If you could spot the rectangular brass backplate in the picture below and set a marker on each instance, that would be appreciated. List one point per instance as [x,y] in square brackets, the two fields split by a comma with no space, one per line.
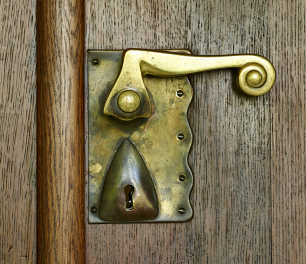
[138,170]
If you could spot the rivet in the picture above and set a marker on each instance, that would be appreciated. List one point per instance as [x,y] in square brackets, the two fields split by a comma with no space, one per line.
[94,210]
[179,93]
[128,101]
[182,210]
[95,61]
[182,178]
[180,136]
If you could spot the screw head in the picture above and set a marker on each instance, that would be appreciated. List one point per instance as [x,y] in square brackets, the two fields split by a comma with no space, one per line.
[182,178]
[180,136]
[94,210]
[179,93]
[182,210]
[95,61]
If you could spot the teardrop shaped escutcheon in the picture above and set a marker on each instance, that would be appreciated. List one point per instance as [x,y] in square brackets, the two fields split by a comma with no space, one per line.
[128,192]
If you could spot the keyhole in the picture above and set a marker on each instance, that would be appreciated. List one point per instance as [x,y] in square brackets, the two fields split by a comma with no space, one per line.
[129,190]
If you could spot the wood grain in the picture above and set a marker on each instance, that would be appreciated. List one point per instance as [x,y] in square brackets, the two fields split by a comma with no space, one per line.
[248,155]
[231,151]
[17,132]
[60,131]
[288,140]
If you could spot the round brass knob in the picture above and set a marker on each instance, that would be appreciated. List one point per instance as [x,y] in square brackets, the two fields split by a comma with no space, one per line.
[254,78]
[128,101]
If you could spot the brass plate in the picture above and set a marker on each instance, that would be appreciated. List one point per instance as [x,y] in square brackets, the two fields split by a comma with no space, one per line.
[156,138]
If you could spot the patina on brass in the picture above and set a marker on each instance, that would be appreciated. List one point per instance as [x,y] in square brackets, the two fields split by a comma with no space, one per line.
[256,75]
[163,198]
[128,192]
[139,136]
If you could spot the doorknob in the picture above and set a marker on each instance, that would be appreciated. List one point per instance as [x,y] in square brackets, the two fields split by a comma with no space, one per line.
[129,99]
[139,136]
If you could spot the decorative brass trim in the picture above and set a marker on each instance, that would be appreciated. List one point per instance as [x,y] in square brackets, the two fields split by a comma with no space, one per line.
[163,141]
[128,192]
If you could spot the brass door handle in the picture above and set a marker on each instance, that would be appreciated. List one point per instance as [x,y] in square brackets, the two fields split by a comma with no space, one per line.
[129,99]
[138,169]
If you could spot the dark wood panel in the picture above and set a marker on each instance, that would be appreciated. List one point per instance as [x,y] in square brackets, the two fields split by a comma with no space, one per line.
[60,132]
[231,151]
[288,141]
[17,132]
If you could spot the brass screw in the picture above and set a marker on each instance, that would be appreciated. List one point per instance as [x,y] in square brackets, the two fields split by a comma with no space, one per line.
[182,178]
[180,136]
[95,61]
[182,210]
[179,93]
[94,210]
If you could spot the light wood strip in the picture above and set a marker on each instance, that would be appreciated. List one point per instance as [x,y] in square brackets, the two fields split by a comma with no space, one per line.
[17,132]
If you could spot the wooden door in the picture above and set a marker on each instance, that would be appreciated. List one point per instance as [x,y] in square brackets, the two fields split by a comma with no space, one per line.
[248,154]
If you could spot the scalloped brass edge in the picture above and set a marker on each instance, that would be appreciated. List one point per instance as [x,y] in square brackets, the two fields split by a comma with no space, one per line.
[182,210]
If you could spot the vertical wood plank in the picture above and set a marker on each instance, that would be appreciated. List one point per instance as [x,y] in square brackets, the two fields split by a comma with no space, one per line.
[231,152]
[288,144]
[17,132]
[60,131]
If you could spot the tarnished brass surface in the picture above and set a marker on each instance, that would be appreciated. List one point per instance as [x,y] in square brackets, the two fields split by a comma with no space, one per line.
[128,169]
[163,141]
[256,75]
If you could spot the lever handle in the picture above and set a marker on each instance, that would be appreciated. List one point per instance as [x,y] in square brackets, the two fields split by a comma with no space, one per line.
[129,99]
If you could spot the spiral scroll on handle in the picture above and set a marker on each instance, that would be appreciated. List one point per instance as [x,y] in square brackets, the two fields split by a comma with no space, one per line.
[254,80]
[256,75]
